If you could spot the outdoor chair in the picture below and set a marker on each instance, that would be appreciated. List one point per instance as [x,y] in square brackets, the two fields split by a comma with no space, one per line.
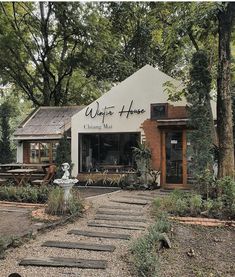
[49,177]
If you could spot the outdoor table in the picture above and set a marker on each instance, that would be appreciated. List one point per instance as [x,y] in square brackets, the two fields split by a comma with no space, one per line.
[24,165]
[21,175]
[43,166]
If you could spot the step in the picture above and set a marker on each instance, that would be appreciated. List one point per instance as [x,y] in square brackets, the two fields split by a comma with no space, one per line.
[141,203]
[64,262]
[79,245]
[104,212]
[115,226]
[99,234]
[114,207]
[119,218]
[137,197]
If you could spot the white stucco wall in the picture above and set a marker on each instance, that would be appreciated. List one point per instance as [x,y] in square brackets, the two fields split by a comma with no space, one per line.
[143,87]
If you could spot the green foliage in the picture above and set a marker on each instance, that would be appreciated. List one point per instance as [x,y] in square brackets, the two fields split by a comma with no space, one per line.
[218,200]
[195,203]
[56,205]
[5,144]
[26,194]
[142,152]
[75,204]
[144,249]
[200,115]
[142,156]
[63,154]
[205,184]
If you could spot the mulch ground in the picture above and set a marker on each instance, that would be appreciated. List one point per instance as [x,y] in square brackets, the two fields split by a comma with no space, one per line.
[199,251]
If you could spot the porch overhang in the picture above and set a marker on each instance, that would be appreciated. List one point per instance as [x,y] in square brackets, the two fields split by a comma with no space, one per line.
[161,123]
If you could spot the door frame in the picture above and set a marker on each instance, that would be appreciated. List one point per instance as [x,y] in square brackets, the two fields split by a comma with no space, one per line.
[163,158]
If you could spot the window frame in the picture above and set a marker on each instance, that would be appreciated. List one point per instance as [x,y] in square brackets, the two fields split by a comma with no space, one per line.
[158,105]
[50,150]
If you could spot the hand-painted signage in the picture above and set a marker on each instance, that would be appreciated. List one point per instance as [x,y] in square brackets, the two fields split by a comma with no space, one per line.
[97,112]
[108,111]
[130,110]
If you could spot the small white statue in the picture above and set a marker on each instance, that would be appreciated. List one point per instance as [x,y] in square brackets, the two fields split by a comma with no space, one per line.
[65,167]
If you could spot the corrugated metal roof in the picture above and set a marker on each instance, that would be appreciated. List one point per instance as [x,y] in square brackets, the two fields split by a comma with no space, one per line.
[47,121]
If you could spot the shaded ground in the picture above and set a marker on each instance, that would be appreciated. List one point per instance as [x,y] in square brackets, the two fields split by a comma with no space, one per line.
[93,191]
[214,250]
[17,222]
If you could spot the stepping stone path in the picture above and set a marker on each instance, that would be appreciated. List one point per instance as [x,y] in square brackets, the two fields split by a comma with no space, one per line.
[65,262]
[76,245]
[116,226]
[99,212]
[141,203]
[128,208]
[99,234]
[138,197]
[112,218]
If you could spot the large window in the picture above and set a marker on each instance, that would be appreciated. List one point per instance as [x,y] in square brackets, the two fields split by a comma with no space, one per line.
[42,152]
[107,151]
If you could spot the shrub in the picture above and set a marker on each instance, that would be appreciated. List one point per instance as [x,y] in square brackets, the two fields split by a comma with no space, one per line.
[75,204]
[55,202]
[195,202]
[181,206]
[56,206]
[208,204]
[27,193]
[144,249]
[206,184]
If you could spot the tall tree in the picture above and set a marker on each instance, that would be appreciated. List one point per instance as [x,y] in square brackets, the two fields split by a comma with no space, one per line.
[42,44]
[6,155]
[226,17]
[198,98]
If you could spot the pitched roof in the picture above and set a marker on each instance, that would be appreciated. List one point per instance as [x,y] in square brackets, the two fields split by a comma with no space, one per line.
[47,122]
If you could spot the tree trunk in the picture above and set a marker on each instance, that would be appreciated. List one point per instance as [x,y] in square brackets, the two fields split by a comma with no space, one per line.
[224,100]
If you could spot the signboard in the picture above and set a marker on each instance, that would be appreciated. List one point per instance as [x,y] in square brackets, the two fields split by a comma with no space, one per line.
[126,111]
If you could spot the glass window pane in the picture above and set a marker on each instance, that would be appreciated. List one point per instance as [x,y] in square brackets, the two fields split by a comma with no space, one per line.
[54,147]
[45,152]
[107,151]
[174,170]
[34,153]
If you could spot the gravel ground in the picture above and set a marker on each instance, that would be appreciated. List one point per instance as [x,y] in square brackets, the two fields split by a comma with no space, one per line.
[117,261]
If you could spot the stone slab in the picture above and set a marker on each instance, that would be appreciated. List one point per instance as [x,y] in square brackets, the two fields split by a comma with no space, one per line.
[137,197]
[64,262]
[79,245]
[99,234]
[114,207]
[119,218]
[115,226]
[141,203]
[105,212]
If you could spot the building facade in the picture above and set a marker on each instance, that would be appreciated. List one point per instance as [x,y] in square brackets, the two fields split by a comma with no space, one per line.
[136,110]
[104,133]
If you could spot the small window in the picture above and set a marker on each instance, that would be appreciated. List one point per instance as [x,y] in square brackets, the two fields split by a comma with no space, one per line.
[158,111]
